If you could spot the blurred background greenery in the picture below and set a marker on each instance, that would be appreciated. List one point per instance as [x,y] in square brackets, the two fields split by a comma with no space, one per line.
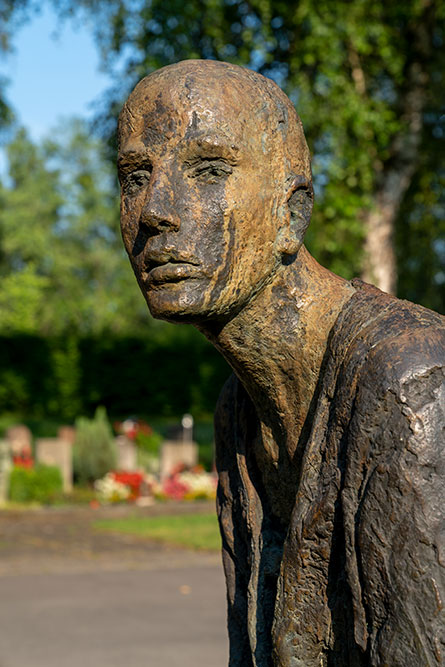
[368,80]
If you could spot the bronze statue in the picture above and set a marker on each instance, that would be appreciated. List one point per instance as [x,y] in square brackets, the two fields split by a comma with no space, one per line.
[331,430]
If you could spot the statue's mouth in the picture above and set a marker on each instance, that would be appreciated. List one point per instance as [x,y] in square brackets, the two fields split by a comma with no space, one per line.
[172,272]
[169,267]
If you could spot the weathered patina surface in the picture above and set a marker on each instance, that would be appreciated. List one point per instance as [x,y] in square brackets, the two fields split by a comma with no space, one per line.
[330,433]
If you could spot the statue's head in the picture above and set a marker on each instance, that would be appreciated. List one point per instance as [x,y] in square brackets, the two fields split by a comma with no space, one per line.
[216,187]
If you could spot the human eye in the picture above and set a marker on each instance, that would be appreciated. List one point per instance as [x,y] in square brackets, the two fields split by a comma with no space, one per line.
[135,180]
[210,170]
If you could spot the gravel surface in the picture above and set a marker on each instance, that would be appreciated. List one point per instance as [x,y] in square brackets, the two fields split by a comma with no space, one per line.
[72,596]
[56,539]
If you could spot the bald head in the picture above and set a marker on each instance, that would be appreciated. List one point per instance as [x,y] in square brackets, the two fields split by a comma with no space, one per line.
[257,103]
[216,187]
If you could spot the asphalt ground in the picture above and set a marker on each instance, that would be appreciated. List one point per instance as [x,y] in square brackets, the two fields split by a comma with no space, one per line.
[72,597]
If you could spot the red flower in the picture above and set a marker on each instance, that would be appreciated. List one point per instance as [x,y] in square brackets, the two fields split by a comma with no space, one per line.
[23,460]
[174,488]
[133,480]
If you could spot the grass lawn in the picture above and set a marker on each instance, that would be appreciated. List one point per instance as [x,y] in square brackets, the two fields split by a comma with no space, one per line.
[194,531]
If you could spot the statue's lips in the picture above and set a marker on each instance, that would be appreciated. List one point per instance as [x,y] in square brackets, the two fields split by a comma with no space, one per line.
[171,272]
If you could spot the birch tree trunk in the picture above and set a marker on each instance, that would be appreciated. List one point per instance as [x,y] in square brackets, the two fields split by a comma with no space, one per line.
[380,266]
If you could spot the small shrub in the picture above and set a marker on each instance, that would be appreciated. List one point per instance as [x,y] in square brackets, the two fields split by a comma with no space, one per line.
[42,484]
[94,451]
[149,442]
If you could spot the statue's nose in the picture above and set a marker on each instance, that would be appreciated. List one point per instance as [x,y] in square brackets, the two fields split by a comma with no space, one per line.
[158,212]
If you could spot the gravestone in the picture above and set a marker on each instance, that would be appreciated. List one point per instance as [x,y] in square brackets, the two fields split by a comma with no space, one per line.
[67,433]
[175,453]
[19,438]
[5,467]
[57,452]
[126,454]
[179,449]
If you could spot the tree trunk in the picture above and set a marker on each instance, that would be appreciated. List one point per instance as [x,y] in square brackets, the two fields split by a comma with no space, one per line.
[380,266]
[380,261]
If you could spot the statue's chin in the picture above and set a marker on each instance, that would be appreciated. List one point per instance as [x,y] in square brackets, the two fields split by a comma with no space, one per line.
[197,301]
[177,302]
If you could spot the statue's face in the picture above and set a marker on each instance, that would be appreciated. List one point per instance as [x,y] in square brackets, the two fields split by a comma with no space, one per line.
[200,200]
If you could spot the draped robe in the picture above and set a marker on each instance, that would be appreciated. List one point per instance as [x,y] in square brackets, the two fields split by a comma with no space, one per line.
[356,575]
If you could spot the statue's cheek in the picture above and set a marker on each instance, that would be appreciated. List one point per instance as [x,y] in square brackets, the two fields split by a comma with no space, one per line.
[130,213]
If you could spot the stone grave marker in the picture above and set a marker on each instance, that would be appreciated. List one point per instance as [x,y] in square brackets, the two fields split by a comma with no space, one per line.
[126,454]
[67,433]
[175,452]
[19,438]
[57,452]
[5,467]
[180,451]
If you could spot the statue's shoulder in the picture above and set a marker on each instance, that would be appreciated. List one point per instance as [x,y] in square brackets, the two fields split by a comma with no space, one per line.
[394,377]
[401,342]
[390,373]
[394,477]
[410,352]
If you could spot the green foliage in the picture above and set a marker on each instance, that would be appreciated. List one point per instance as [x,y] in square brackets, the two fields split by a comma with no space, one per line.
[149,443]
[203,435]
[206,455]
[79,495]
[39,376]
[420,241]
[94,452]
[149,450]
[361,74]
[41,484]
[65,363]
[164,375]
[60,377]
[23,373]
[62,263]
[29,209]
[92,286]
[193,531]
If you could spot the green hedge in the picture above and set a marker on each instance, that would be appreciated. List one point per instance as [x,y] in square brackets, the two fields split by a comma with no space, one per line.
[42,484]
[166,374]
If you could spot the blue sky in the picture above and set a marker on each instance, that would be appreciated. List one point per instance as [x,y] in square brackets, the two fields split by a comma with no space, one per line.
[52,77]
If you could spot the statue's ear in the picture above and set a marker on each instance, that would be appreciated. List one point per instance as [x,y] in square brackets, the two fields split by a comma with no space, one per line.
[300,198]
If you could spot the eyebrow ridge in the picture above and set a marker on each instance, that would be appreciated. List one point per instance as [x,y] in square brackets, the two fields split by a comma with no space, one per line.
[209,143]
[128,155]
[206,143]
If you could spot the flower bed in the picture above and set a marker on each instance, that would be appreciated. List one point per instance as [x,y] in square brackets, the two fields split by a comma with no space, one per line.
[182,484]
[194,484]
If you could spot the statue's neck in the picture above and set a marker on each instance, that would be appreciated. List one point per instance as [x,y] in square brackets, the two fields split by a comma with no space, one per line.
[277,342]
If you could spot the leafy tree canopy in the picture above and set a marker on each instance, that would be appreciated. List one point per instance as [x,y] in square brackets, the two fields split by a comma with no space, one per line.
[62,263]
[368,81]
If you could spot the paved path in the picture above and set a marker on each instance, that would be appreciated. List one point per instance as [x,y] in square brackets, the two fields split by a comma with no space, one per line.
[71,597]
